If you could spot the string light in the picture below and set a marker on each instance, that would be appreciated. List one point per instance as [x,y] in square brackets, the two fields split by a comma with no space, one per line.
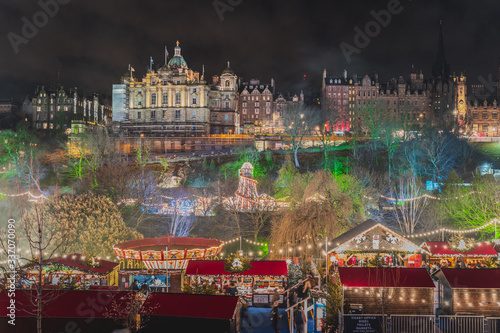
[451,231]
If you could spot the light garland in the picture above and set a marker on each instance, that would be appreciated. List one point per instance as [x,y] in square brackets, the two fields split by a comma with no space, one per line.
[41,196]
[430,233]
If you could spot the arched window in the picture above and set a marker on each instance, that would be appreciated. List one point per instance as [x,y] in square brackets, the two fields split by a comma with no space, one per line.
[153,99]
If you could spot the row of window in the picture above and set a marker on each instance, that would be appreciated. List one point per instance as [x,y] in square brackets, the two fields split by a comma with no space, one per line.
[485,127]
[484,115]
[256,111]
[334,88]
[256,98]
[152,114]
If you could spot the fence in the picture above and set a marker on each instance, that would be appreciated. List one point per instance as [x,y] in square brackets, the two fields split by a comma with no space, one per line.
[418,324]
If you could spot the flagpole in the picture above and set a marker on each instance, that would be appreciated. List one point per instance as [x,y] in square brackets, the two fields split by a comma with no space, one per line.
[165,56]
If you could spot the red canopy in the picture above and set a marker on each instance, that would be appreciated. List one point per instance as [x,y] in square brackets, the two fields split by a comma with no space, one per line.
[443,249]
[385,277]
[473,278]
[193,306]
[216,267]
[70,303]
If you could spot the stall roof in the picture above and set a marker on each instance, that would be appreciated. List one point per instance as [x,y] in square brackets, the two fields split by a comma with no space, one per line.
[362,238]
[71,303]
[472,278]
[73,260]
[216,267]
[443,249]
[385,277]
[192,306]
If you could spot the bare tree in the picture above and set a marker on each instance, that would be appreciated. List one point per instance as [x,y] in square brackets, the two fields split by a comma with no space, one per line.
[409,204]
[298,122]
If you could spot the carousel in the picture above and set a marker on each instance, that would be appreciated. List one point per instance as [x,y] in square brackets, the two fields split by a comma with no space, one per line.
[159,262]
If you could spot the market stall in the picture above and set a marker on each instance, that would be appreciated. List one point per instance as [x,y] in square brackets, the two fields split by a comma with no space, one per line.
[371,241]
[257,283]
[159,262]
[469,251]
[69,272]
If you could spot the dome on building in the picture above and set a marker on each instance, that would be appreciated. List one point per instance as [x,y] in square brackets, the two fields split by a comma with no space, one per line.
[228,70]
[177,60]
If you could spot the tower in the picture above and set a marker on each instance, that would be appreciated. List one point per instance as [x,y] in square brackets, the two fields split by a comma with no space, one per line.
[246,195]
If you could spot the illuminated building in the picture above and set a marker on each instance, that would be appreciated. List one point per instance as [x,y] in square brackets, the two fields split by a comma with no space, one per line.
[62,107]
[172,101]
[255,105]
[223,97]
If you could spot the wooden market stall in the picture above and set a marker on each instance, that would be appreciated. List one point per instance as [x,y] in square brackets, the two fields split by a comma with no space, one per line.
[190,313]
[160,262]
[257,284]
[360,245]
[387,290]
[470,291]
[447,254]
[70,271]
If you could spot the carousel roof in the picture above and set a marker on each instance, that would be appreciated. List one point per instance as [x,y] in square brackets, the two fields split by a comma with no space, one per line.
[192,306]
[443,249]
[118,306]
[172,242]
[363,277]
[472,278]
[216,267]
[74,260]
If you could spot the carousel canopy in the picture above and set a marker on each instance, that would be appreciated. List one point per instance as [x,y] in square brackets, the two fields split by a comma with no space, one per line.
[74,260]
[192,306]
[117,304]
[170,241]
[443,249]
[216,267]
[371,236]
[363,277]
[472,278]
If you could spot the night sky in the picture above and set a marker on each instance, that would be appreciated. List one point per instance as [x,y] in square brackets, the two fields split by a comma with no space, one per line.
[92,42]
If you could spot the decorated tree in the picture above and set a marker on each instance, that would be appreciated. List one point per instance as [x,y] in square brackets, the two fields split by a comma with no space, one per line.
[94,223]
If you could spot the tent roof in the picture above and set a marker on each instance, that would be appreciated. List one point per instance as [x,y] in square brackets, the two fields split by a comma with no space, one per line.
[192,306]
[472,278]
[216,267]
[385,277]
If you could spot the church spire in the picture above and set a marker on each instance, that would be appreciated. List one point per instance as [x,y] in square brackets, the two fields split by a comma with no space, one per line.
[440,68]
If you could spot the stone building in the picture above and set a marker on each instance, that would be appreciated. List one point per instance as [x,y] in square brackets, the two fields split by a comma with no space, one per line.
[172,101]
[255,105]
[339,99]
[59,107]
[223,97]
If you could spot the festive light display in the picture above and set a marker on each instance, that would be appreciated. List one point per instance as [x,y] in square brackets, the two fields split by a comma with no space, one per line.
[437,231]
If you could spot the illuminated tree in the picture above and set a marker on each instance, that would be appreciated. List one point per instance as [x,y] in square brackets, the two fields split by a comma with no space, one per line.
[410,203]
[298,122]
[93,222]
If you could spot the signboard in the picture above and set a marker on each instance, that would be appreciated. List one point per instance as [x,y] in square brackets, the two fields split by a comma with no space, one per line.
[260,299]
[319,318]
[363,324]
[376,242]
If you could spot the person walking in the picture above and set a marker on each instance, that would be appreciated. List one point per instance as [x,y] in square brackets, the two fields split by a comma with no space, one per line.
[299,319]
[275,316]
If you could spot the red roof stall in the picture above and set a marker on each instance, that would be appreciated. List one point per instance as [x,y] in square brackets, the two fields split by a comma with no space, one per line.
[68,270]
[159,262]
[257,283]
[470,291]
[189,313]
[446,255]
[89,311]
[393,290]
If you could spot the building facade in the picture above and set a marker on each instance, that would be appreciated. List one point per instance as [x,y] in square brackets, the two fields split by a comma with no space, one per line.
[255,105]
[172,101]
[58,108]
[223,97]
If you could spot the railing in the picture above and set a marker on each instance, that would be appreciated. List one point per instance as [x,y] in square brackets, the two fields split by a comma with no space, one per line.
[306,310]
[422,324]
[411,323]
[461,324]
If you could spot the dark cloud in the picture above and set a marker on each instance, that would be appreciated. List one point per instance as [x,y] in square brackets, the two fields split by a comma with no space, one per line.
[92,42]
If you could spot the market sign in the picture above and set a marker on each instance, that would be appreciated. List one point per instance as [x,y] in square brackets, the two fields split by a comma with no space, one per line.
[362,324]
